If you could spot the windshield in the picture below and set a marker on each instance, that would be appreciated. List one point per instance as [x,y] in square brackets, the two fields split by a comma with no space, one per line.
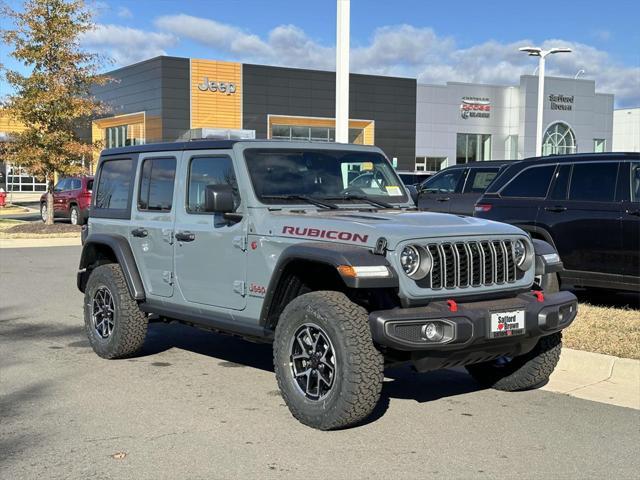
[339,175]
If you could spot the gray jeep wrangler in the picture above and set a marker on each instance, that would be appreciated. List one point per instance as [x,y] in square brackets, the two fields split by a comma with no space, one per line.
[318,249]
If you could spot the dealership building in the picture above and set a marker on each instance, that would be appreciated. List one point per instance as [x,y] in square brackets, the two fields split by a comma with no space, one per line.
[422,127]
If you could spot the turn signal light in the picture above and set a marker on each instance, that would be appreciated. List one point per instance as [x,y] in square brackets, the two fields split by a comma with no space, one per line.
[364,272]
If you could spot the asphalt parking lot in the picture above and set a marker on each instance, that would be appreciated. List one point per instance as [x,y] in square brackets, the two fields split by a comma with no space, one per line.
[201,405]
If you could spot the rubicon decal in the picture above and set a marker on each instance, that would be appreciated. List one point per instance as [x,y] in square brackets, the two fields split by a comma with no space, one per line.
[328,234]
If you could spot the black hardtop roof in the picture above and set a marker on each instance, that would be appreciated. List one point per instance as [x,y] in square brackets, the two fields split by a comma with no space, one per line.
[211,145]
[581,157]
[483,163]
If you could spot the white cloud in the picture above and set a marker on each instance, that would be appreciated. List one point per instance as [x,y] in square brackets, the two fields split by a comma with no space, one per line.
[127,45]
[124,12]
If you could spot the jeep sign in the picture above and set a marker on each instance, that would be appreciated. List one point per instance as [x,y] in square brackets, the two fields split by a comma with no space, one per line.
[228,88]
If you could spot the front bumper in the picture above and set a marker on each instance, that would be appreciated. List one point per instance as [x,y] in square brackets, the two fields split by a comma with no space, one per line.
[468,339]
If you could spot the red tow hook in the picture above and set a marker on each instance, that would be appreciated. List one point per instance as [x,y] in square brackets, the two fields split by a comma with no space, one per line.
[538,294]
[453,306]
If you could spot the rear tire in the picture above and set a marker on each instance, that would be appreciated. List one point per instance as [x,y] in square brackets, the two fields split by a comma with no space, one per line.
[528,371]
[115,325]
[43,212]
[354,368]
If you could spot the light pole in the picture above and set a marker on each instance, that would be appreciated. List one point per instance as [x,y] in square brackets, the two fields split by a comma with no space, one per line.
[342,71]
[539,52]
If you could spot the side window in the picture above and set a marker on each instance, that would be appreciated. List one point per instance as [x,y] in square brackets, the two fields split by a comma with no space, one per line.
[75,184]
[635,182]
[62,185]
[530,183]
[445,182]
[593,182]
[205,171]
[156,184]
[559,189]
[479,179]
[114,185]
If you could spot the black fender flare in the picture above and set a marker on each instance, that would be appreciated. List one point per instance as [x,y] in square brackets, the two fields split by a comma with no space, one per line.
[547,259]
[333,255]
[124,256]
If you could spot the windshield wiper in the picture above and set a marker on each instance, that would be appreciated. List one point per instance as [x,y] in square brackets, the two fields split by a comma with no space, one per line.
[304,198]
[362,198]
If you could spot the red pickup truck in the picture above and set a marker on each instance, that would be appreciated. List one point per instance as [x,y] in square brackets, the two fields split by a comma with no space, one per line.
[71,199]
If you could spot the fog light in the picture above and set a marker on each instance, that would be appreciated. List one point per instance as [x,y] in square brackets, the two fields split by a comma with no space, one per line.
[433,332]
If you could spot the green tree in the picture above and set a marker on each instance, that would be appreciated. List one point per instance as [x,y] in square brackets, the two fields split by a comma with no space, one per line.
[53,100]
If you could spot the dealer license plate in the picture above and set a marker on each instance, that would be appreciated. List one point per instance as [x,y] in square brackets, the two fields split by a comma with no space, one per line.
[506,324]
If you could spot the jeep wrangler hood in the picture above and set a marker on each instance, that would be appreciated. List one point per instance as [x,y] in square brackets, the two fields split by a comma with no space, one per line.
[364,228]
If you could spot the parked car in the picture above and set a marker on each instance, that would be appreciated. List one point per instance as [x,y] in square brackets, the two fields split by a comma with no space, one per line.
[587,206]
[272,241]
[414,178]
[456,189]
[71,199]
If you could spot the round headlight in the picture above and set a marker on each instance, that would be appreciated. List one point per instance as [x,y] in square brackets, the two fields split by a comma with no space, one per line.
[415,262]
[519,252]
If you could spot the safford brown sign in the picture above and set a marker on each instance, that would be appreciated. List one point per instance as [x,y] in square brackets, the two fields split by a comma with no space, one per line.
[561,102]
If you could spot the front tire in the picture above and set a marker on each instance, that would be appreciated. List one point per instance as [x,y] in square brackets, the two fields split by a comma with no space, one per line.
[115,325]
[329,371]
[528,371]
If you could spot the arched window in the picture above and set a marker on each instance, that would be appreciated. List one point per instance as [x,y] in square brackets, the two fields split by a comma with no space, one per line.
[559,139]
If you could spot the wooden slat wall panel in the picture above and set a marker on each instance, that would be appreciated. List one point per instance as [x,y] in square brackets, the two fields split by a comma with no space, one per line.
[215,109]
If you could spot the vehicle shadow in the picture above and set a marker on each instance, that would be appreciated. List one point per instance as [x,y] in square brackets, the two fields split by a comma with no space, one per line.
[609,298]
[400,382]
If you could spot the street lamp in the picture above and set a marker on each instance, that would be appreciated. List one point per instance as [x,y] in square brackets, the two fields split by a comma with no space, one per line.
[539,52]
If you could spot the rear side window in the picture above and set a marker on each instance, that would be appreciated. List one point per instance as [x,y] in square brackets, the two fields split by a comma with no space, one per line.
[479,179]
[75,184]
[635,182]
[444,182]
[114,185]
[205,171]
[530,183]
[593,182]
[156,184]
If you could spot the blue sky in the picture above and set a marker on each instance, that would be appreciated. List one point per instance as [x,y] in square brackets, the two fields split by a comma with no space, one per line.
[434,41]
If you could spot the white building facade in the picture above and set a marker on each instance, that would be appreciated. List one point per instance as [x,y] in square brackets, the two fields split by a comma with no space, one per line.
[626,130]
[462,122]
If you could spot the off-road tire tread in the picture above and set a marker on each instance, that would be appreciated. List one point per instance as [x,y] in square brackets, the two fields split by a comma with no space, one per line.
[363,371]
[528,371]
[131,322]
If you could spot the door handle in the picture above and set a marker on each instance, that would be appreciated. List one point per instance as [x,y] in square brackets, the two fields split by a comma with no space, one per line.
[443,199]
[635,213]
[555,209]
[139,232]
[185,236]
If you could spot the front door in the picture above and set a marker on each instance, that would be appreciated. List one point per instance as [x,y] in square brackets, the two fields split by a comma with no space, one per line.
[438,192]
[210,250]
[152,219]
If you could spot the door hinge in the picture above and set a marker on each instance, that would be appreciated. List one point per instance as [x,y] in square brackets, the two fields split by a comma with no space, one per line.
[167,277]
[239,287]
[240,242]
[167,235]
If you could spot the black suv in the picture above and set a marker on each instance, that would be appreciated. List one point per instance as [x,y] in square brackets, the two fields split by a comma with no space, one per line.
[587,205]
[456,189]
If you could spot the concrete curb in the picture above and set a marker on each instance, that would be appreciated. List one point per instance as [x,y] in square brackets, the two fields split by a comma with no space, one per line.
[597,377]
[39,242]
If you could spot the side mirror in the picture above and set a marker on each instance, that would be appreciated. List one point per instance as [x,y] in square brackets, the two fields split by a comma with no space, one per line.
[218,199]
[413,191]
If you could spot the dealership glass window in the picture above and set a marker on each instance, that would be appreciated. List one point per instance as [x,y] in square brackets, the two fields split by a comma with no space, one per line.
[593,182]
[124,135]
[530,183]
[114,185]
[473,147]
[18,180]
[313,134]
[205,171]
[156,184]
[559,139]
[430,164]
[599,145]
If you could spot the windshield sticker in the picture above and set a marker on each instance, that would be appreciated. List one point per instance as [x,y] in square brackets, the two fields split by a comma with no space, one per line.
[366,166]
[394,191]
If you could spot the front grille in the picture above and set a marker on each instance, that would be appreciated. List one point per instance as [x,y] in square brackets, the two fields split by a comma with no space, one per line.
[470,264]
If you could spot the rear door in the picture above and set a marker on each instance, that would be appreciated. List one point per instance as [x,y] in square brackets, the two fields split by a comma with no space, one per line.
[631,221]
[59,196]
[438,191]
[152,219]
[584,222]
[211,262]
[476,182]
